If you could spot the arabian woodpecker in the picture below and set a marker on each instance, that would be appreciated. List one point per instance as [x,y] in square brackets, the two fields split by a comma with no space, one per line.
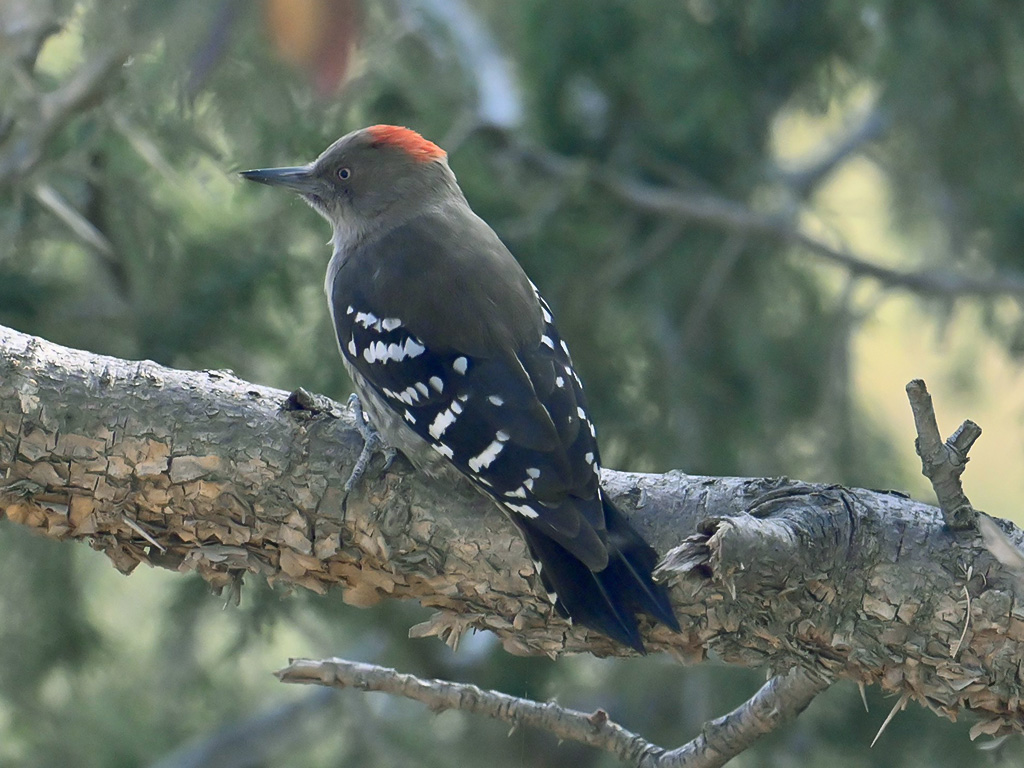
[455,358]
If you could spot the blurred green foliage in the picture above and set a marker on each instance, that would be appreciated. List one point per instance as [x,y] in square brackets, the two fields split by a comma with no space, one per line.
[702,347]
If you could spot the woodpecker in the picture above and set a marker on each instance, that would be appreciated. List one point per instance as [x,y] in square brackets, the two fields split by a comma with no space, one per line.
[456,359]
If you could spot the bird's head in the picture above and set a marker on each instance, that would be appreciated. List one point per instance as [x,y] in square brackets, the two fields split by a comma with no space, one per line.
[370,177]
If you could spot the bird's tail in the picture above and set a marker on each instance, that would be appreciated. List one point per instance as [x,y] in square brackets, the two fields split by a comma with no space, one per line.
[606,600]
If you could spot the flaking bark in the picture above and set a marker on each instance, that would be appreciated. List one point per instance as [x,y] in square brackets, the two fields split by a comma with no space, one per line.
[202,471]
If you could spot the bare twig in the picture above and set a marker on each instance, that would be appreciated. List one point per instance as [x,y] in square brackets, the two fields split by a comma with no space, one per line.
[55,110]
[943,462]
[900,705]
[84,229]
[594,729]
[805,177]
[778,701]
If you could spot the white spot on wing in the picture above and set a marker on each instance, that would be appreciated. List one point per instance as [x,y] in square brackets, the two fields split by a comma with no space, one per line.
[441,422]
[589,457]
[460,365]
[352,347]
[559,381]
[422,388]
[390,323]
[547,342]
[523,509]
[413,348]
[367,319]
[443,449]
[533,472]
[502,436]
[580,412]
[486,457]
[496,399]
[518,493]
[437,384]
[565,347]
[409,417]
[350,310]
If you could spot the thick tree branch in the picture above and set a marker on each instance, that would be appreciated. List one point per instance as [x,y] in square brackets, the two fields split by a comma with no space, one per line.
[201,471]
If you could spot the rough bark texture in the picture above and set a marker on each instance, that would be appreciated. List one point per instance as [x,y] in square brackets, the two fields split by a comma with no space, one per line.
[201,471]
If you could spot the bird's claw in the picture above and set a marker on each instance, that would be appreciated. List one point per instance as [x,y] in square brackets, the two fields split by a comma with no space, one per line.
[372,443]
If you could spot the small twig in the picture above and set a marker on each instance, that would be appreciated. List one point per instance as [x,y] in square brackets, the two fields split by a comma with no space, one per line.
[52,200]
[967,624]
[899,705]
[943,462]
[142,532]
[863,695]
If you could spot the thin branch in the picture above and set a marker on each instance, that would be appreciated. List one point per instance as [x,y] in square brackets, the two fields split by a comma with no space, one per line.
[56,109]
[943,462]
[899,706]
[715,211]
[719,212]
[804,178]
[84,229]
[594,729]
[777,702]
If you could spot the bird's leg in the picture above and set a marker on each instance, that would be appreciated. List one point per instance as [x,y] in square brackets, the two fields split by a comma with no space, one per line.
[372,442]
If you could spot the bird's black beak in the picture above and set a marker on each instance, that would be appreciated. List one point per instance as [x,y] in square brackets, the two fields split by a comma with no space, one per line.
[298,178]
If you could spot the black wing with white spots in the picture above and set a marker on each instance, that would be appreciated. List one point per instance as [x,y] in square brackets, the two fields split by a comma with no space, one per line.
[516,423]
[472,363]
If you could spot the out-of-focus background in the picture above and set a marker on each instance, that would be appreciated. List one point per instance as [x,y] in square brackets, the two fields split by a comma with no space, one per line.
[755,223]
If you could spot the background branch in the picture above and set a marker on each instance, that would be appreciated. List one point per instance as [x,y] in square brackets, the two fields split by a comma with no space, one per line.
[736,218]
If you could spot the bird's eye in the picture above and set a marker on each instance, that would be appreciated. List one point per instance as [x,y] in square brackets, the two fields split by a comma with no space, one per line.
[344,173]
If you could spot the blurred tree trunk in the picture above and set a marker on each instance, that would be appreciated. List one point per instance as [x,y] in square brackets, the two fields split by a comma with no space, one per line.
[202,471]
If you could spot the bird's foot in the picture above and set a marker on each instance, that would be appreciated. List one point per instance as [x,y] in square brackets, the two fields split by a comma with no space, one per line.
[372,443]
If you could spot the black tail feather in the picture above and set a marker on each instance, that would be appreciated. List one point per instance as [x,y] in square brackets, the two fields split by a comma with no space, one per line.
[606,600]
